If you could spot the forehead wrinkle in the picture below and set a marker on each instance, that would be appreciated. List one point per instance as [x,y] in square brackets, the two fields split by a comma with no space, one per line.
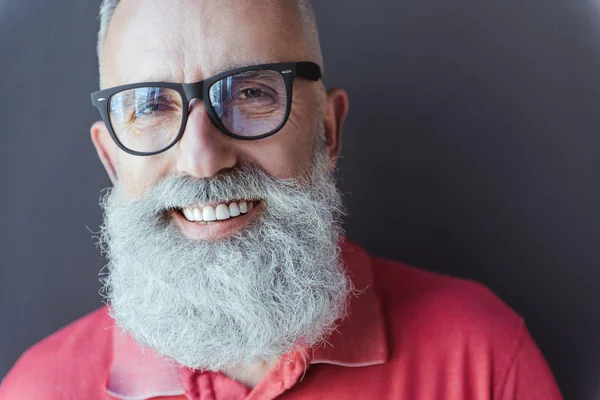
[200,39]
[127,41]
[156,72]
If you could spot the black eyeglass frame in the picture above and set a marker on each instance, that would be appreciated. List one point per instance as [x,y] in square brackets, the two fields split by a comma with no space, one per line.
[200,90]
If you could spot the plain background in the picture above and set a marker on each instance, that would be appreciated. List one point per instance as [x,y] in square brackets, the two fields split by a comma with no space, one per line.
[471,148]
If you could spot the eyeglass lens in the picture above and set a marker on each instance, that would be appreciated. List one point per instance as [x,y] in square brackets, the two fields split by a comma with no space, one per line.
[248,104]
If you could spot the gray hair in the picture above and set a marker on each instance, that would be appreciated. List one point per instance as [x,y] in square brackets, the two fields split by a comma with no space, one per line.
[239,300]
[108,7]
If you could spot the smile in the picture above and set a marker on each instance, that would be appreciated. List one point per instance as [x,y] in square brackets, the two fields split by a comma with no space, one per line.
[217,212]
[215,220]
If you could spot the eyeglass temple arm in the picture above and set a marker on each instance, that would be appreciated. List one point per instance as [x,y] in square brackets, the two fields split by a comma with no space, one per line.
[308,70]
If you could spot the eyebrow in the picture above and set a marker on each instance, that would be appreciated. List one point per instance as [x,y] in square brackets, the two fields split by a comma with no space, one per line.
[162,77]
[228,66]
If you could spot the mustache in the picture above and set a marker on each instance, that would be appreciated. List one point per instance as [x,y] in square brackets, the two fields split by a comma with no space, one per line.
[246,181]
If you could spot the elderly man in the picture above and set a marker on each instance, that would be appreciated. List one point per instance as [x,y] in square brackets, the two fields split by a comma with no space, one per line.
[228,276]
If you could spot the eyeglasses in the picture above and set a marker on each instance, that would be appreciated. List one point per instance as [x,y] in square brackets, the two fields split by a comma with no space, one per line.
[246,103]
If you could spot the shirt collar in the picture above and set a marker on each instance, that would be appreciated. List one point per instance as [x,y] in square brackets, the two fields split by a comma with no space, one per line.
[360,340]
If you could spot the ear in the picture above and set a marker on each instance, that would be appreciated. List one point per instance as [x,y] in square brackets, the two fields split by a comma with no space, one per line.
[106,148]
[336,109]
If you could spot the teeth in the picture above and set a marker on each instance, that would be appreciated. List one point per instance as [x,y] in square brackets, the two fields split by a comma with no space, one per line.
[222,212]
[208,214]
[197,214]
[188,214]
[234,210]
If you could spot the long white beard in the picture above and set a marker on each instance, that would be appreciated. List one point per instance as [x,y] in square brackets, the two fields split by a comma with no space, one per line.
[236,301]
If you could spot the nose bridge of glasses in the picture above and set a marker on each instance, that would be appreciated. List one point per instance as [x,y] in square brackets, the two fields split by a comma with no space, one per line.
[193,91]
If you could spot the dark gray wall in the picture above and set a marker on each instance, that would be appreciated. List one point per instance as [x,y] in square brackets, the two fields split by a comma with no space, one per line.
[475,123]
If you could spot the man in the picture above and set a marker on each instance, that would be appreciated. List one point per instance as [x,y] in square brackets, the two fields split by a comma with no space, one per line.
[228,275]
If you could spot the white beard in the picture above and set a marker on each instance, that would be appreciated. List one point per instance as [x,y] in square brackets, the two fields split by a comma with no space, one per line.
[236,301]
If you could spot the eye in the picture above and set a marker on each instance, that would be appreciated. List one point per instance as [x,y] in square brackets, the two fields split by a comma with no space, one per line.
[252,93]
[147,109]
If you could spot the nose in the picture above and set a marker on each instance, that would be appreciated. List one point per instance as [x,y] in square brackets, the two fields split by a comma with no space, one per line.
[203,149]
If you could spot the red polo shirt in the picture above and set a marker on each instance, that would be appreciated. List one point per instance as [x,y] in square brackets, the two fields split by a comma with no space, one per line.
[411,335]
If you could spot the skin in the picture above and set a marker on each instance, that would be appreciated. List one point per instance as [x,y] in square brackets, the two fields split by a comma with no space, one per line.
[188,41]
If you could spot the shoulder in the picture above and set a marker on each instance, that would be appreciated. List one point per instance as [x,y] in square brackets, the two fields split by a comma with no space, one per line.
[441,320]
[456,325]
[461,331]
[443,307]
[450,300]
[68,363]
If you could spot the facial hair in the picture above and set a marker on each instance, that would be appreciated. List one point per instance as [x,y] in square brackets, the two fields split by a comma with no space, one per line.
[247,298]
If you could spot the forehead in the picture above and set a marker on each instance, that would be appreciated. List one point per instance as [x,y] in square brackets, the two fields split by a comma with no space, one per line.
[190,40]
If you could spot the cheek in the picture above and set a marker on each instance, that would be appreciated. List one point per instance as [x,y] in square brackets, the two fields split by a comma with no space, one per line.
[288,153]
[138,174]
